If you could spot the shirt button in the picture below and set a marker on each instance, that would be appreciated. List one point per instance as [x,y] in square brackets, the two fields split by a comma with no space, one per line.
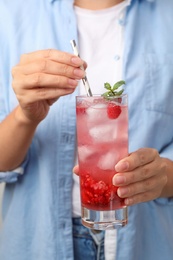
[121,22]
[117,57]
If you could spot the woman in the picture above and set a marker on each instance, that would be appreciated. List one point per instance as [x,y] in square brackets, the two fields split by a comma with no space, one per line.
[37,130]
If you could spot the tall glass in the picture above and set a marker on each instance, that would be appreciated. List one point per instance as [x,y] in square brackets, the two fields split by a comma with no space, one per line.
[102,136]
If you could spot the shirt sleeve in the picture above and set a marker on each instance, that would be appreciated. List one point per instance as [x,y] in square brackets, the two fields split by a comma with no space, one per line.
[167,152]
[12,176]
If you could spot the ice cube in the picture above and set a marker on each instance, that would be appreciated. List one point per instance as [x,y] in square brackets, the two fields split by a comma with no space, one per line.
[108,161]
[104,133]
[84,152]
[96,112]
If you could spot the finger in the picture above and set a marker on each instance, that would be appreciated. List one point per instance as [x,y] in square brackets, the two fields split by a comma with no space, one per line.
[139,198]
[43,81]
[144,191]
[48,67]
[136,175]
[138,187]
[156,167]
[40,94]
[136,159]
[51,54]
[76,170]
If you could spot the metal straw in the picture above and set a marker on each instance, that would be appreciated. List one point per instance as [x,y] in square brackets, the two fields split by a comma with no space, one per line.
[85,80]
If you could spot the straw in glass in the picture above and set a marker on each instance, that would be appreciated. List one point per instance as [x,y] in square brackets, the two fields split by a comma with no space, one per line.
[84,80]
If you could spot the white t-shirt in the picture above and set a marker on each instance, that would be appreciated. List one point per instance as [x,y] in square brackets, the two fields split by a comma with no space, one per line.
[100,35]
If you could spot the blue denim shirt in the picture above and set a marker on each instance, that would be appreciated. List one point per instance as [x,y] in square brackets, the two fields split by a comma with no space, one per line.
[37,201]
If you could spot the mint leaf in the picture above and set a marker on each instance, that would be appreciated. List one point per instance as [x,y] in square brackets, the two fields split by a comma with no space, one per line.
[118,84]
[113,90]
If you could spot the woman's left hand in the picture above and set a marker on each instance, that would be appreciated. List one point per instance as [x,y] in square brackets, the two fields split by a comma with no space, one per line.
[141,176]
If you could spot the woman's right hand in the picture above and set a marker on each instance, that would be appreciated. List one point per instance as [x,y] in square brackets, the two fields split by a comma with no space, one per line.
[42,77]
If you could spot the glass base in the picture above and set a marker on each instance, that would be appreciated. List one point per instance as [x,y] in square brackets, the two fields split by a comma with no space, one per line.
[104,220]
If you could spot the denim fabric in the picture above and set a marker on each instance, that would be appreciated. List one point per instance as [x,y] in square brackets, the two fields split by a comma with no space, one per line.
[88,243]
[37,208]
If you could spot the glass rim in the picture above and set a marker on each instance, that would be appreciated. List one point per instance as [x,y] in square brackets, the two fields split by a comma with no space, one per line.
[100,96]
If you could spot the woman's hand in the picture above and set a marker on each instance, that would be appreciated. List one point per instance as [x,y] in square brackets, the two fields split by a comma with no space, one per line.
[141,176]
[42,77]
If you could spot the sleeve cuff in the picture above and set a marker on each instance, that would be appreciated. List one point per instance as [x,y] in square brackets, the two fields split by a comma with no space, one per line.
[12,176]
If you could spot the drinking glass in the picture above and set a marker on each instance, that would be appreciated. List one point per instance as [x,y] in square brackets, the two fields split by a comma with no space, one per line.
[102,138]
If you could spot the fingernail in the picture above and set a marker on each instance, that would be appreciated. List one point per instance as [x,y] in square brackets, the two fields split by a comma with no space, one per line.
[128,202]
[80,73]
[122,192]
[117,180]
[76,60]
[121,166]
[72,82]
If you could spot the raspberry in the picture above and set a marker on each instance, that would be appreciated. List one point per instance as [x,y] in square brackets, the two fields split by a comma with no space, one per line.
[80,110]
[96,193]
[113,111]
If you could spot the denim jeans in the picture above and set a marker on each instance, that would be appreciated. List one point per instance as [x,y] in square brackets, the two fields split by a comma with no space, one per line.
[88,243]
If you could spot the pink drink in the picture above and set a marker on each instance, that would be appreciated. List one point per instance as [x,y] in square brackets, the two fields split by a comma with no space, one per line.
[102,134]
